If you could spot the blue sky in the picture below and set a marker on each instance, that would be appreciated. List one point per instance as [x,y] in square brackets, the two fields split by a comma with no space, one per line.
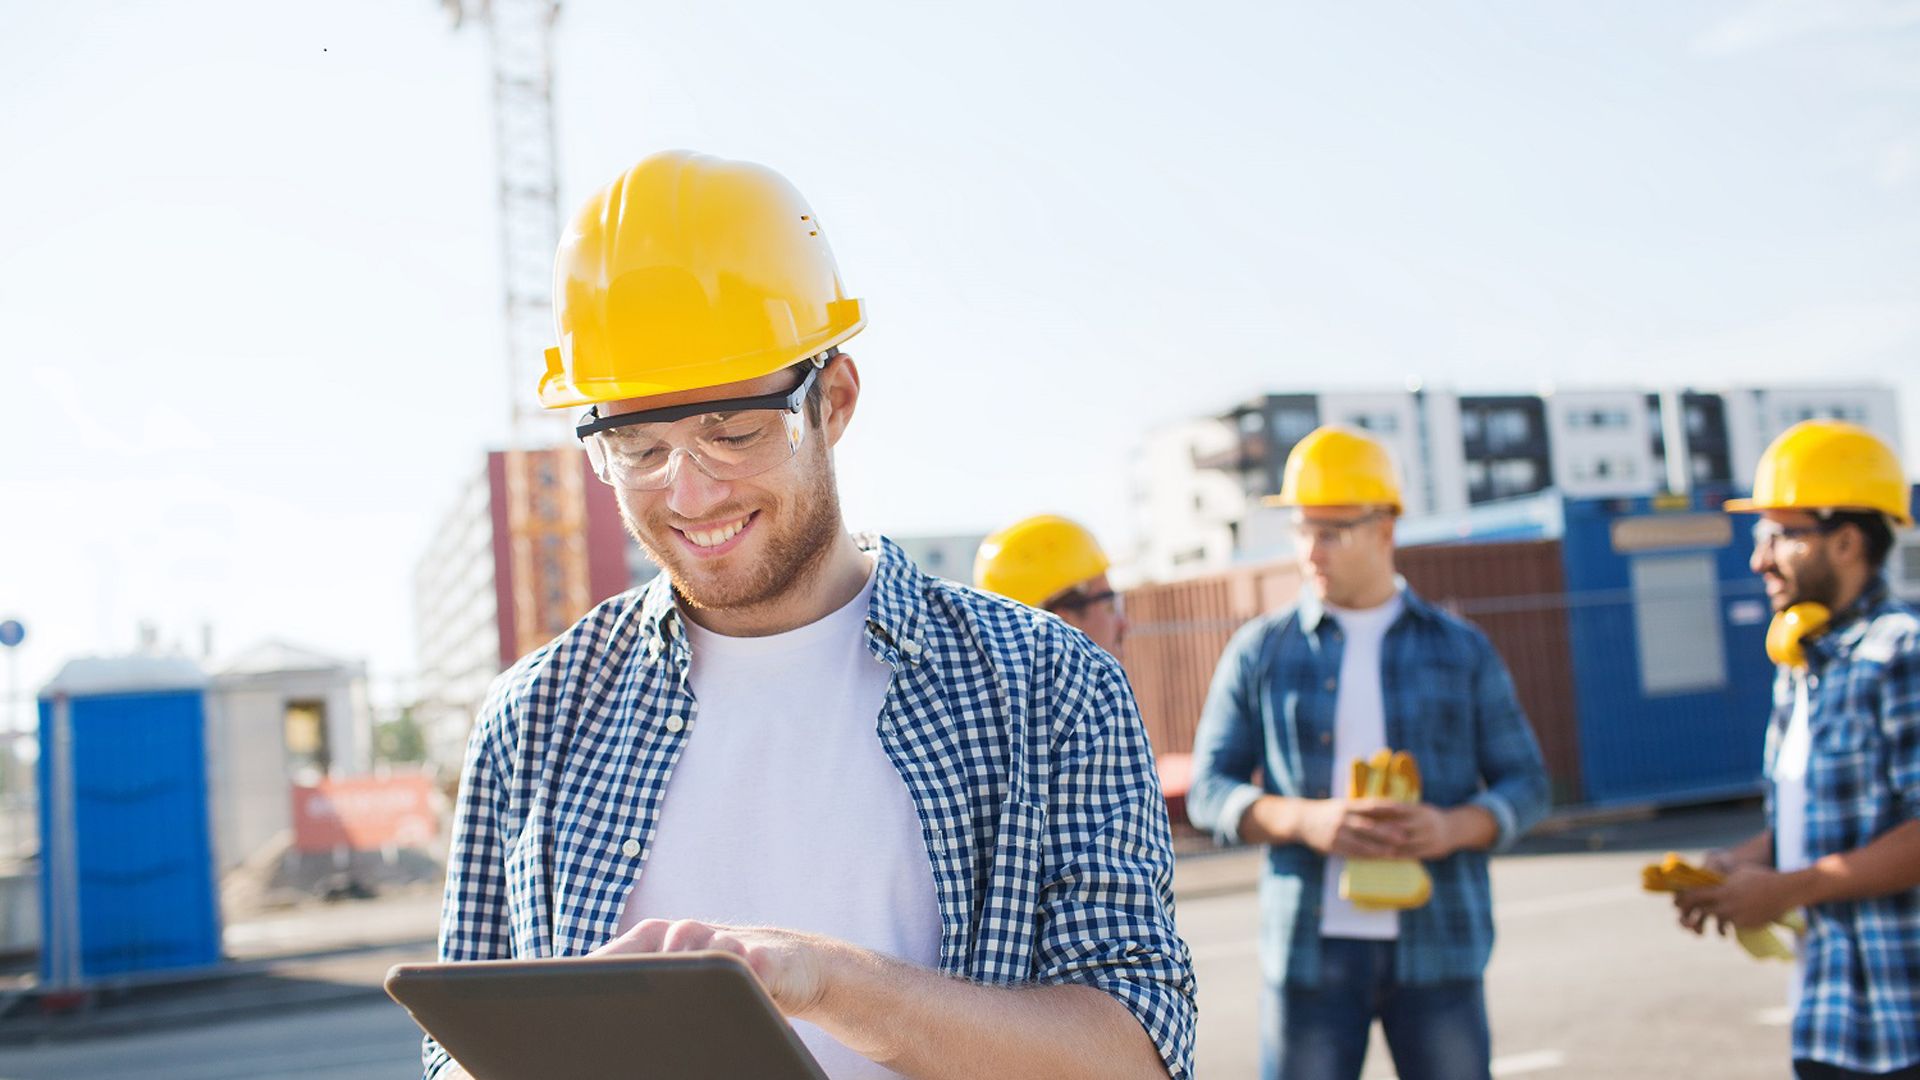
[249,333]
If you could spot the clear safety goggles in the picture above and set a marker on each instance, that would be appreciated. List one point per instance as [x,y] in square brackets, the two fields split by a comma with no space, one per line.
[1330,534]
[731,439]
[1769,534]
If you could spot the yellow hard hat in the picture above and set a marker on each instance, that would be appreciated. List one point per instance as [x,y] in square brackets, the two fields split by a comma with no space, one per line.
[687,272]
[1338,466]
[1828,465]
[1035,560]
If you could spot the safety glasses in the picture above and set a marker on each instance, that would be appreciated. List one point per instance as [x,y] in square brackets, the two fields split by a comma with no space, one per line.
[731,439]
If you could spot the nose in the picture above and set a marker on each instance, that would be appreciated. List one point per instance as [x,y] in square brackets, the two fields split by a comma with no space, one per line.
[690,491]
[1762,558]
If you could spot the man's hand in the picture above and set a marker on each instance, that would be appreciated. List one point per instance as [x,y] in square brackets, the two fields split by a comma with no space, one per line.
[1752,896]
[1724,861]
[1425,830]
[1355,828]
[791,965]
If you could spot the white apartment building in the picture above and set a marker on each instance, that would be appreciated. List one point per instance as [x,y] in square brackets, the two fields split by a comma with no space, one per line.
[1198,485]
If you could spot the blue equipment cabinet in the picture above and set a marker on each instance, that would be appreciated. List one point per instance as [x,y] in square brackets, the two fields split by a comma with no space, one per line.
[1671,675]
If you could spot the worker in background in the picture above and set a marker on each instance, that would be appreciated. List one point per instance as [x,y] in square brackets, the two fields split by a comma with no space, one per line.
[1056,565]
[1842,759]
[753,751]
[1360,664]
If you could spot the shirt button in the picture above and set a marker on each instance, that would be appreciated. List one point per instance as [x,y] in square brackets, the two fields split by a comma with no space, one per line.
[675,724]
[631,849]
[1331,684]
[911,648]
[1326,738]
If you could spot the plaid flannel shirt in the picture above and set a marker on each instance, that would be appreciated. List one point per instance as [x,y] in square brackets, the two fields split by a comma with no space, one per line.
[1860,971]
[1018,740]
[1449,701]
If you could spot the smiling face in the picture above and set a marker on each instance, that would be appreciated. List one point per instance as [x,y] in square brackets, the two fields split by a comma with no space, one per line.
[1792,558]
[753,543]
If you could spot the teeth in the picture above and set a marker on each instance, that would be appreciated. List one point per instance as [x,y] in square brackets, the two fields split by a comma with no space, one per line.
[716,537]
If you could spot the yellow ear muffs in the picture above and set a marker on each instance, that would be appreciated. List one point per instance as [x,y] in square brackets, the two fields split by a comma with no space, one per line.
[1792,627]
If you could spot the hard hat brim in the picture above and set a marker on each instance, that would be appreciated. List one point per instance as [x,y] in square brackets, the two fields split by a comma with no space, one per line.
[1755,506]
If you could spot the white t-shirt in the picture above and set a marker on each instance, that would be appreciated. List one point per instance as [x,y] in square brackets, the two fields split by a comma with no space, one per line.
[1359,729]
[785,811]
[1790,785]
[1790,807]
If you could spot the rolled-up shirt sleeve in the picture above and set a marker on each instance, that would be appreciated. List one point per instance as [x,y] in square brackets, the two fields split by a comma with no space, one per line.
[1106,900]
[1227,744]
[1517,793]
[474,921]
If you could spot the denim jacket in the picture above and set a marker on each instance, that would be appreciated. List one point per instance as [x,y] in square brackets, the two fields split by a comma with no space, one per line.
[1449,701]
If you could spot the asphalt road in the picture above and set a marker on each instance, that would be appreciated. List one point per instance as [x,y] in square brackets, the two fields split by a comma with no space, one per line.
[1590,979]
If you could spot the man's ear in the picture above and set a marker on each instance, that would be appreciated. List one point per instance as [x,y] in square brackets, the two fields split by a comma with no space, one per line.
[839,393]
[1849,543]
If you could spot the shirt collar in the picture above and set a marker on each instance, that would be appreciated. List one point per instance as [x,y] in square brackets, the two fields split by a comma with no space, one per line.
[1313,612]
[894,617]
[1850,625]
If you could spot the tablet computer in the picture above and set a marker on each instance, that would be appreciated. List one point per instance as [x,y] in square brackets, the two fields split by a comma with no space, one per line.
[670,1016]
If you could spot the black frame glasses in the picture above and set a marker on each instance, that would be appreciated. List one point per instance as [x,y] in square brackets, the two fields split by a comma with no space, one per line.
[786,401]
[1075,600]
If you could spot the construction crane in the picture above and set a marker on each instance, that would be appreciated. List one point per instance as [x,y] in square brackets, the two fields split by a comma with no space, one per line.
[545,489]
[520,39]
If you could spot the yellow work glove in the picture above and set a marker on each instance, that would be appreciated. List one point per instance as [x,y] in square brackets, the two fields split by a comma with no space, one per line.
[1675,874]
[1386,884]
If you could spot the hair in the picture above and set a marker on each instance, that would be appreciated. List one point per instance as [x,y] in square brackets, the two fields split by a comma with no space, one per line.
[1874,530]
[817,393]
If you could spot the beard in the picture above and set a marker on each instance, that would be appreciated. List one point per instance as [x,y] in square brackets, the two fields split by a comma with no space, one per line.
[1813,581]
[798,533]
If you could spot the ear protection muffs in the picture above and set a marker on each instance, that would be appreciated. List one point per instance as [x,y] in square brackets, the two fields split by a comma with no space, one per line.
[1792,627]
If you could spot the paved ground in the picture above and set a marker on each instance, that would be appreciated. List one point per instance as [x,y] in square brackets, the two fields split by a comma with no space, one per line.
[1590,979]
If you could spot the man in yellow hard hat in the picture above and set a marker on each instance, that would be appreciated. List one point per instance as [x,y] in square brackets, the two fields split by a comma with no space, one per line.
[794,745]
[1358,666]
[1842,755]
[1056,565]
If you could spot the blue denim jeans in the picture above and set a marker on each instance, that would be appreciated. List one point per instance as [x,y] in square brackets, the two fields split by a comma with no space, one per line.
[1436,1032]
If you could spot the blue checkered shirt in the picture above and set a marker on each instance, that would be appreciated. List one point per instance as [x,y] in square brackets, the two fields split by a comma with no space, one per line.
[1017,739]
[1449,702]
[1860,975]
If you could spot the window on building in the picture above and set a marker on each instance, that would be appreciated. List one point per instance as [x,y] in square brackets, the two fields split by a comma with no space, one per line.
[1515,476]
[305,725]
[1598,419]
[1292,425]
[1508,428]
[1470,424]
[1378,423]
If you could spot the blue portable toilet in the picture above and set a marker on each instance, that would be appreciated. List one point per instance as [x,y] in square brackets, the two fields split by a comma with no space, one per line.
[126,869]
